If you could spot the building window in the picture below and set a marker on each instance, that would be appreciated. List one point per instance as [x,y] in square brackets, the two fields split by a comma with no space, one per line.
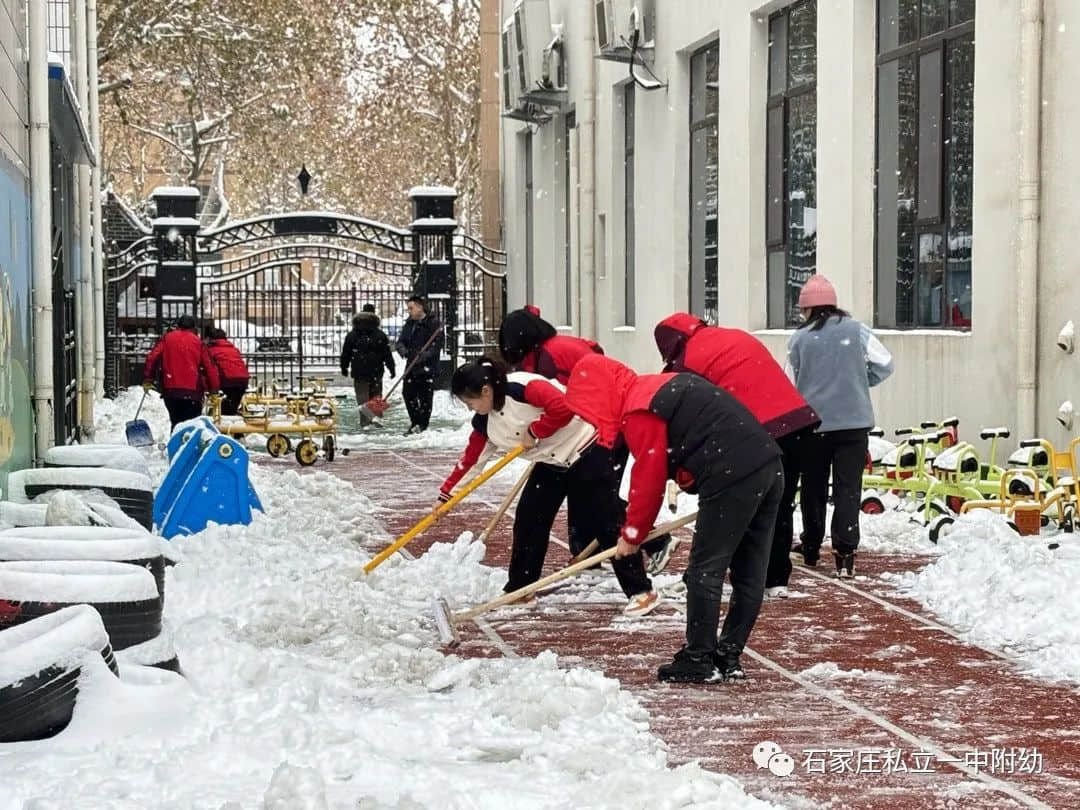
[925,124]
[628,203]
[704,143]
[791,159]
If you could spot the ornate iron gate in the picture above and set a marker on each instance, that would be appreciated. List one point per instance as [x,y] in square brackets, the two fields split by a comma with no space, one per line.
[287,301]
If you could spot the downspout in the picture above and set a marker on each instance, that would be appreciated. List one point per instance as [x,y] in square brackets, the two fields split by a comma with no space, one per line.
[95,198]
[587,180]
[41,228]
[85,288]
[1027,277]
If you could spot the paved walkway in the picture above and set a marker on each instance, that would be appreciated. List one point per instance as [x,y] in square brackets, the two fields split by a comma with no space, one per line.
[877,704]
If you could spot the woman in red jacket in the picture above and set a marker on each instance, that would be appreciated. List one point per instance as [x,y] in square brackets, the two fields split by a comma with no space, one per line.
[526,409]
[182,368]
[681,426]
[233,370]
[740,364]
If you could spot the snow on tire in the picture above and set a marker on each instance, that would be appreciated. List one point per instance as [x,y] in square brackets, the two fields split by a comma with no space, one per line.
[22,514]
[132,491]
[40,664]
[86,543]
[125,595]
[114,456]
[158,652]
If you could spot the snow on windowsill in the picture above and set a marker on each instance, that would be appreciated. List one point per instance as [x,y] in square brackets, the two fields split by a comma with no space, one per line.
[624,329]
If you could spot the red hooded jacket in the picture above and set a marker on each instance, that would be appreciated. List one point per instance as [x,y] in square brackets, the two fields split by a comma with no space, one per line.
[675,425]
[557,356]
[181,364]
[230,363]
[740,364]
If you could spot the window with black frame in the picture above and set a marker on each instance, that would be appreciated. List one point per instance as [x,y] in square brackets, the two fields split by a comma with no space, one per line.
[704,163]
[791,159]
[925,127]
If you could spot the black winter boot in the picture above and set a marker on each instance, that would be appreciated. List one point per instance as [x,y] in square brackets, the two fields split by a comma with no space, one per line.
[845,564]
[690,668]
[727,663]
[803,556]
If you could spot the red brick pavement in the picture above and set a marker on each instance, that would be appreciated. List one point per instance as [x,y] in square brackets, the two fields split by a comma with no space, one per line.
[924,696]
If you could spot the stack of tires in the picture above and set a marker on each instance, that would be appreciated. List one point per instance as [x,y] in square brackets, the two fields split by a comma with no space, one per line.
[132,491]
[120,572]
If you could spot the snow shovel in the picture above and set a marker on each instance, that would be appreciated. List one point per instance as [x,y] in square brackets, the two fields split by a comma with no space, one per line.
[375,407]
[447,622]
[138,430]
[441,510]
[509,499]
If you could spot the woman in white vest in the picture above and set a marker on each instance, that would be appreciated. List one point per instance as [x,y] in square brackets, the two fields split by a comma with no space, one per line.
[519,408]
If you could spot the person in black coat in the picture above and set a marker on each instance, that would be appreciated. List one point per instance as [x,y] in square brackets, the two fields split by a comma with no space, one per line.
[419,388]
[365,351]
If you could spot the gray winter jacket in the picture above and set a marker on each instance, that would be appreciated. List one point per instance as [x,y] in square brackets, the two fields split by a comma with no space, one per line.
[834,368]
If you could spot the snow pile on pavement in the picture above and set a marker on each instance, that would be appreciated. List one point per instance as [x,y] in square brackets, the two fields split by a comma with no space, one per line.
[312,685]
[831,671]
[1006,592]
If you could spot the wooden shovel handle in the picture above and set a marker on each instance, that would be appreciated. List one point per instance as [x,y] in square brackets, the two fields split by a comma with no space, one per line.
[509,499]
[441,510]
[569,571]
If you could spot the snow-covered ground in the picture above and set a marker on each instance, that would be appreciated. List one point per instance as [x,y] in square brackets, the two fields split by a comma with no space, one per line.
[311,685]
[1006,592]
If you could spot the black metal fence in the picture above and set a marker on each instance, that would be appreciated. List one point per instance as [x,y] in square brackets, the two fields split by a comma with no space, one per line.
[285,290]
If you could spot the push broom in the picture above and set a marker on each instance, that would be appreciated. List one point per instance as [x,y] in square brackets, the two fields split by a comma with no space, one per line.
[447,622]
[375,407]
[441,510]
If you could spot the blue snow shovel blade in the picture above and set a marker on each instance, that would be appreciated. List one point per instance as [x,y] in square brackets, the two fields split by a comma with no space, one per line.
[138,433]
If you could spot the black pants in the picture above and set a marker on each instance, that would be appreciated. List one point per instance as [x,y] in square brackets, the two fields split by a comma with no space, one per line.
[843,452]
[418,393]
[366,389]
[230,405]
[181,410]
[794,446]
[593,512]
[733,533]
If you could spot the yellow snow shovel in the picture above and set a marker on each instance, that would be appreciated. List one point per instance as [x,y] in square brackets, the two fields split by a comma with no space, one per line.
[442,509]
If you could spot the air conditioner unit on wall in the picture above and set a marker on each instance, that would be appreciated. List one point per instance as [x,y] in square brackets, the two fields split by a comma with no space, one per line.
[529,73]
[618,23]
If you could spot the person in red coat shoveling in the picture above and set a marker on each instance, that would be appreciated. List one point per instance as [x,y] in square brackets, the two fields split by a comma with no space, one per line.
[683,427]
[181,366]
[232,368]
[519,408]
[530,343]
[740,364]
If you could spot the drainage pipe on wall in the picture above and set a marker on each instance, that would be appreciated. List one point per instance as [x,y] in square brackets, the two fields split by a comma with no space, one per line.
[1027,278]
[41,228]
[95,198]
[587,180]
[85,297]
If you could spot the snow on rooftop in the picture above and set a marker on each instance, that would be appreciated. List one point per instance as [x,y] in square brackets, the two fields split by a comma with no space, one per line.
[434,222]
[174,222]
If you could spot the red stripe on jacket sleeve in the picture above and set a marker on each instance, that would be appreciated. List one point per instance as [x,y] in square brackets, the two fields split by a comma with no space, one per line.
[646,436]
[556,413]
[477,442]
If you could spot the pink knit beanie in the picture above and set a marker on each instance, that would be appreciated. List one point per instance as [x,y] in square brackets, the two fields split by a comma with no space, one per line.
[817,292]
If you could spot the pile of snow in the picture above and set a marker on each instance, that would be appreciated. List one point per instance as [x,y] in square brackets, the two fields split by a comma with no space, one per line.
[314,685]
[22,514]
[831,671]
[1006,592]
